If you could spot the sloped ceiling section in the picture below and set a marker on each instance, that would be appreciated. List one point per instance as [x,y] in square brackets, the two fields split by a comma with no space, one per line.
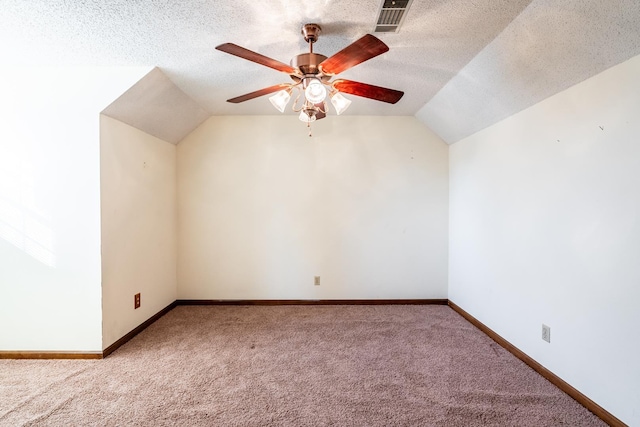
[158,107]
[551,46]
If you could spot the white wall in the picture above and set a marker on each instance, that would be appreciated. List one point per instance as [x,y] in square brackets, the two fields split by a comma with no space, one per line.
[545,228]
[263,209]
[50,204]
[138,203]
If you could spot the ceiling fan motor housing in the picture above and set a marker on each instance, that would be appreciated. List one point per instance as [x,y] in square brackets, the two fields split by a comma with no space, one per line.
[308,63]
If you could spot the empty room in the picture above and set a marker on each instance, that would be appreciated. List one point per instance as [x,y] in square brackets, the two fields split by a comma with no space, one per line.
[320,212]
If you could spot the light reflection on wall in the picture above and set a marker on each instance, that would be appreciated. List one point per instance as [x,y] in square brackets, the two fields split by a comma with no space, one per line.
[26,231]
[25,221]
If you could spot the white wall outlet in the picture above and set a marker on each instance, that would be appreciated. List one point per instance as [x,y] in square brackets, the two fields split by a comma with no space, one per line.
[316,280]
[546,333]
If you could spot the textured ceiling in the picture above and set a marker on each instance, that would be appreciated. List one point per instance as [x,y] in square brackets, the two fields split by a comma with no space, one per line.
[463,64]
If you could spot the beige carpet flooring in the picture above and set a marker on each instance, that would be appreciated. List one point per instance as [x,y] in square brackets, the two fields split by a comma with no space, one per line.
[292,366]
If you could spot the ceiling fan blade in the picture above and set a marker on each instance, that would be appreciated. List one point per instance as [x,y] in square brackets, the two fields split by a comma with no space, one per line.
[363,49]
[321,106]
[257,93]
[368,91]
[250,55]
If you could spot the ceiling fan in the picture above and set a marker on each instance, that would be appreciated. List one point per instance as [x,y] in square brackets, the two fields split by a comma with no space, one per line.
[311,72]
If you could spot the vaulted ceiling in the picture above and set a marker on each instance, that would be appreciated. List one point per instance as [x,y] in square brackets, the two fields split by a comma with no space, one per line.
[463,65]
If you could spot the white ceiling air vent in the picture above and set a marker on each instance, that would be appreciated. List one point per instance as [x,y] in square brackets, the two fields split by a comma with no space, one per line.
[392,14]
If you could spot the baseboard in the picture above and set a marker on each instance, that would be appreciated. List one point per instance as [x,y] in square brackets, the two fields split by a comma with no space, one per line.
[597,410]
[87,355]
[113,347]
[50,355]
[312,302]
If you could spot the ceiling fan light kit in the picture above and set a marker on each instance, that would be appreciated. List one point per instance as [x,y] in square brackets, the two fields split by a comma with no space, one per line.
[340,103]
[281,99]
[315,91]
[311,72]
[307,116]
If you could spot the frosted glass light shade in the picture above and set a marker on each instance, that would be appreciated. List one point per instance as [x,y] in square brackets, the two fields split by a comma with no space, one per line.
[305,118]
[315,92]
[280,100]
[340,103]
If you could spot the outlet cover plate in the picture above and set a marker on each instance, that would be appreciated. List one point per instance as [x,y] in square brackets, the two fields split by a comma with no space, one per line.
[546,333]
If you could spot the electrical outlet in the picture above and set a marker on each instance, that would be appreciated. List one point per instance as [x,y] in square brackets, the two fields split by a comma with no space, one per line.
[546,333]
[316,280]
[136,301]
